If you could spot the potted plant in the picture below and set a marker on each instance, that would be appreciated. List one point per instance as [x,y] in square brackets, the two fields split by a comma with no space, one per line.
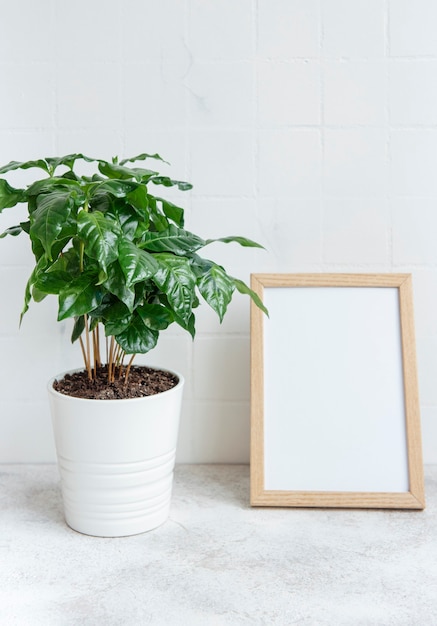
[123,268]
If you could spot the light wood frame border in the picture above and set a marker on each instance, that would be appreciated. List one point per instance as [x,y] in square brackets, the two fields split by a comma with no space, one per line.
[259,496]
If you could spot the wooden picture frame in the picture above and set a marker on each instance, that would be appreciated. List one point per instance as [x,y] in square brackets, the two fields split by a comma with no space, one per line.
[335,418]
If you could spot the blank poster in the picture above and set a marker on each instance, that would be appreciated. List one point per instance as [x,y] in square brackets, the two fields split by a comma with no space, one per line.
[334,410]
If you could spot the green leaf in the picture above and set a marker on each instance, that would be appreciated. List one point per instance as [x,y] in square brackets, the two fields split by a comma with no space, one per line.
[67,160]
[50,185]
[125,216]
[39,267]
[15,165]
[117,188]
[136,264]
[112,170]
[51,218]
[52,281]
[9,196]
[101,201]
[115,283]
[199,265]
[143,157]
[116,318]
[100,236]
[217,289]
[80,297]
[78,328]
[245,290]
[155,316]
[68,261]
[173,212]
[12,230]
[38,295]
[137,338]
[187,324]
[243,241]
[158,219]
[128,223]
[172,239]
[169,182]
[138,198]
[176,279]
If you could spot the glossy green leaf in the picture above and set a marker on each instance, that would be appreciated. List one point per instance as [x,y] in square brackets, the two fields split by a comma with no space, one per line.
[68,160]
[188,324]
[176,279]
[117,188]
[169,182]
[155,316]
[68,261]
[100,235]
[37,295]
[113,170]
[243,241]
[9,196]
[125,216]
[158,220]
[173,239]
[80,297]
[136,264]
[50,185]
[139,199]
[173,212]
[115,283]
[199,265]
[116,318]
[137,338]
[245,290]
[143,157]
[25,165]
[128,223]
[101,201]
[40,266]
[217,289]
[78,328]
[51,220]
[52,281]
[12,230]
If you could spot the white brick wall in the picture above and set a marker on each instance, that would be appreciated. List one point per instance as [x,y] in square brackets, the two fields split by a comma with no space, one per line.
[309,125]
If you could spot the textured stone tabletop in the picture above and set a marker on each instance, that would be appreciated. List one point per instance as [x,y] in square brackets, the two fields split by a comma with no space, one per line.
[216,561]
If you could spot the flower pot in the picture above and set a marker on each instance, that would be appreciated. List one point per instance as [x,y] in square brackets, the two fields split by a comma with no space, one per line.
[116,460]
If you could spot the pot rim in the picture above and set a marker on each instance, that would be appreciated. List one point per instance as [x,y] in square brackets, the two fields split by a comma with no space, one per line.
[58,394]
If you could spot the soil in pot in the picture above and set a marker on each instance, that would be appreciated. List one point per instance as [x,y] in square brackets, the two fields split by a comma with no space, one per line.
[143,381]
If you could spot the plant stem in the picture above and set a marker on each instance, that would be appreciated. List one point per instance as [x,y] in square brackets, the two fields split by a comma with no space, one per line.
[88,351]
[120,371]
[83,352]
[99,358]
[126,376]
[111,361]
[95,349]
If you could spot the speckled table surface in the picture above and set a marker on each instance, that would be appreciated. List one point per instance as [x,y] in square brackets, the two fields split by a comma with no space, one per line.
[216,561]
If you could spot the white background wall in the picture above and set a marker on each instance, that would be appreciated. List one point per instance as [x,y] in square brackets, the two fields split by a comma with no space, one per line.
[309,125]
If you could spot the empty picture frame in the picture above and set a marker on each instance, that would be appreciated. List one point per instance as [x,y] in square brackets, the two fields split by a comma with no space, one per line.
[334,396]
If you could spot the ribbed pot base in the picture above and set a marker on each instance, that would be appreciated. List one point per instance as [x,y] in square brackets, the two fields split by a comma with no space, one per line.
[117,500]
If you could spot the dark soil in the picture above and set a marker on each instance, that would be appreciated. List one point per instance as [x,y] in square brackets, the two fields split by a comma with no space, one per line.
[143,381]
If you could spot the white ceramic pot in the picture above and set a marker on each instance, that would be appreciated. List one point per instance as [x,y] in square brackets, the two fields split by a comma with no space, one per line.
[116,460]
